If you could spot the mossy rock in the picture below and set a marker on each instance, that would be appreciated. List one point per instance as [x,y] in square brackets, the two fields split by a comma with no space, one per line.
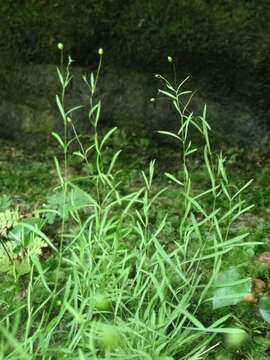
[125,97]
[204,37]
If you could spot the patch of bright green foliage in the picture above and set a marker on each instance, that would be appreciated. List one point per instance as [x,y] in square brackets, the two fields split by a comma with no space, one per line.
[130,269]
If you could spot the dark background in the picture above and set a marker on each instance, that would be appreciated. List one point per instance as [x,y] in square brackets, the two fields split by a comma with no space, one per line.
[224,43]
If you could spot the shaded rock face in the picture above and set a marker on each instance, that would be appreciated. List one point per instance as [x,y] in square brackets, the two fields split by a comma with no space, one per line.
[207,37]
[18,120]
[28,107]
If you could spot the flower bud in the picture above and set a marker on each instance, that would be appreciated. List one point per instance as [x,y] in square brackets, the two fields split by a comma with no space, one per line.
[109,336]
[60,46]
[100,51]
[236,340]
[170,59]
[102,302]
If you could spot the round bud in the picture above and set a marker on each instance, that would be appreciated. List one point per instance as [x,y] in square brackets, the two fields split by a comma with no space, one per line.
[102,302]
[100,51]
[236,340]
[110,337]
[60,46]
[170,59]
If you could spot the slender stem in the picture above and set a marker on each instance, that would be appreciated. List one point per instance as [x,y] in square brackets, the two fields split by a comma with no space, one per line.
[6,251]
[64,189]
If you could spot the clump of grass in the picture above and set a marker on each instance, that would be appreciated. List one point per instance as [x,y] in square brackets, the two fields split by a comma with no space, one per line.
[110,288]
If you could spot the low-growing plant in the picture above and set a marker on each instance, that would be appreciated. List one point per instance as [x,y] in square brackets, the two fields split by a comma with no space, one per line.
[20,243]
[110,288]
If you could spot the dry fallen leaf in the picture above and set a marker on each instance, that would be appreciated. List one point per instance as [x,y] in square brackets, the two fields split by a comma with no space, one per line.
[264,257]
[250,297]
[259,285]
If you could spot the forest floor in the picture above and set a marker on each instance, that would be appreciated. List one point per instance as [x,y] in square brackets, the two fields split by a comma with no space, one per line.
[28,176]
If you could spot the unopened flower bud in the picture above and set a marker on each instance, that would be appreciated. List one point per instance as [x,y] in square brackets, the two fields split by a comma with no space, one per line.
[100,51]
[60,46]
[170,59]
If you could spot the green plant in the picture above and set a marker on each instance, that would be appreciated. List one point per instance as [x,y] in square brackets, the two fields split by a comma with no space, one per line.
[232,289]
[111,289]
[20,241]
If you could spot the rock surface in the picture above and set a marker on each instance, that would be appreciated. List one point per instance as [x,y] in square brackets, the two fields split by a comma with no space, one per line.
[27,105]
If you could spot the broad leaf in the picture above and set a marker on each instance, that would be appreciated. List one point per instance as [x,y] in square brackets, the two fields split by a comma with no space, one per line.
[264,308]
[75,199]
[230,288]
[22,235]
[21,262]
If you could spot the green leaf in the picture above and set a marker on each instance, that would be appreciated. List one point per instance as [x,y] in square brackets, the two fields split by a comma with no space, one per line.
[8,219]
[107,136]
[230,288]
[79,154]
[22,235]
[61,109]
[167,94]
[264,308]
[74,199]
[5,263]
[20,261]
[58,138]
[173,178]
[168,133]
